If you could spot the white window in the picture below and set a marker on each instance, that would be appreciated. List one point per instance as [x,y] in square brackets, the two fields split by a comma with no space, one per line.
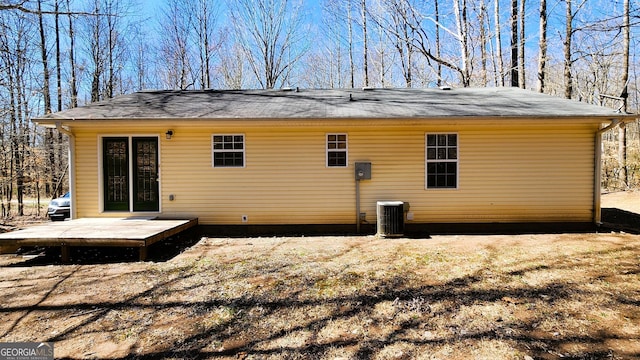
[337,150]
[228,150]
[442,161]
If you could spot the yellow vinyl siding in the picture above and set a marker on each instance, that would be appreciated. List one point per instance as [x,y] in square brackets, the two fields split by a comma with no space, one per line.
[507,174]
[508,171]
[87,182]
[284,180]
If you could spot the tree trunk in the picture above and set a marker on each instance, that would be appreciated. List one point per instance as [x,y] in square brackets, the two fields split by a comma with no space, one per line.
[72,62]
[365,61]
[59,155]
[438,65]
[542,55]
[465,46]
[521,43]
[96,54]
[382,56]
[483,44]
[46,95]
[58,62]
[13,137]
[514,44]
[204,15]
[622,130]
[111,46]
[460,10]
[350,30]
[207,51]
[568,80]
[97,51]
[17,127]
[500,75]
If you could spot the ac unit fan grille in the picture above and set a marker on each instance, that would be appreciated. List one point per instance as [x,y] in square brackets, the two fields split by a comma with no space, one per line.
[390,218]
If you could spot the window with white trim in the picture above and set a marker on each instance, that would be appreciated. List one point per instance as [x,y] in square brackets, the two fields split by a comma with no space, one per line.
[441,161]
[228,150]
[337,150]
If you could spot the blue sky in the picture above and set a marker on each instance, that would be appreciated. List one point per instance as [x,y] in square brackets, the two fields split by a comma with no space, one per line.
[317,38]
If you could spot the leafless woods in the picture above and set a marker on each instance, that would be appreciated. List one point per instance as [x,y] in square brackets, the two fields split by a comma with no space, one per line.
[59,54]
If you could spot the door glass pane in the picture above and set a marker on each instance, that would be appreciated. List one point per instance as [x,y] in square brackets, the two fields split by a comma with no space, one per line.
[116,173]
[145,189]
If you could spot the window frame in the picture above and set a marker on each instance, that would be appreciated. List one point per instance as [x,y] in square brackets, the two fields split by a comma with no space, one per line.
[214,151]
[345,150]
[456,161]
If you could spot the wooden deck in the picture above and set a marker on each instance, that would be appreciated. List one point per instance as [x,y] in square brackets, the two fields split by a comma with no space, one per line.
[124,232]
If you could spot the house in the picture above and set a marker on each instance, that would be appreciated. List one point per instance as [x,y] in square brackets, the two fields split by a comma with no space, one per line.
[287,157]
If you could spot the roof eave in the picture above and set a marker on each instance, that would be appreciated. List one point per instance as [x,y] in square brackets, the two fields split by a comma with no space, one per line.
[44,121]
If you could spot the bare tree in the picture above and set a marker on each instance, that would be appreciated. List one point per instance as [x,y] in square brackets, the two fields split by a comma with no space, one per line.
[143,60]
[111,45]
[177,67]
[58,60]
[105,53]
[95,30]
[561,79]
[365,47]
[352,65]
[15,61]
[462,26]
[46,88]
[414,18]
[498,57]
[542,55]
[49,139]
[514,43]
[626,47]
[438,43]
[59,156]
[72,61]
[118,26]
[382,54]
[382,76]
[270,34]
[20,6]
[482,14]
[188,44]
[335,24]
[622,130]
[205,13]
[568,79]
[402,36]
[521,45]
[232,67]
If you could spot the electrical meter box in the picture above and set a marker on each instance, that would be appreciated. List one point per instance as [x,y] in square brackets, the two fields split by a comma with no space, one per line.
[363,170]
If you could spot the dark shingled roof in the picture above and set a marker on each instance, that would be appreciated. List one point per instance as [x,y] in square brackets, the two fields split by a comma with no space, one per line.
[335,104]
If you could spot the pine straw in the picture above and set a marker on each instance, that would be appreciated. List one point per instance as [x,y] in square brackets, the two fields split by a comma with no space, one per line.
[574,296]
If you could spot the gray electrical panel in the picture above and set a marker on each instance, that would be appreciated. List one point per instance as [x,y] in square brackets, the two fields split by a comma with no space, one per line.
[363,170]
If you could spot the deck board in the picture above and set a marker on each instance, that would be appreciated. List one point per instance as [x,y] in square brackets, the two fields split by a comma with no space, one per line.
[127,232]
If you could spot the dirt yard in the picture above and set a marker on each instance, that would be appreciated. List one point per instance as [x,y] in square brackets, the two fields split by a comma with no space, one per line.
[624,200]
[540,296]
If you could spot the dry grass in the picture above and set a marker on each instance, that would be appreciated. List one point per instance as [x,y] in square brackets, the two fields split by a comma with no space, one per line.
[573,296]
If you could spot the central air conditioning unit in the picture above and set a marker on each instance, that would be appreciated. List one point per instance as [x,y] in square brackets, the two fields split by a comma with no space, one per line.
[391,218]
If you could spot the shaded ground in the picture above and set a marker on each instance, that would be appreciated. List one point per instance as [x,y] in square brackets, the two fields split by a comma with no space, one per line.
[540,296]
